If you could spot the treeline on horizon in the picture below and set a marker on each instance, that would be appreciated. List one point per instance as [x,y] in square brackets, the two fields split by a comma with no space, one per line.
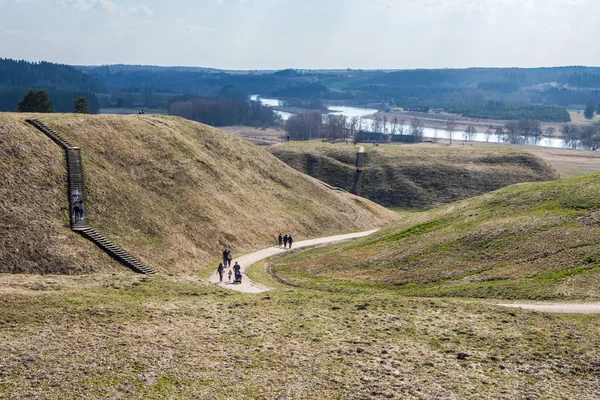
[494,110]
[62,100]
[224,112]
[63,83]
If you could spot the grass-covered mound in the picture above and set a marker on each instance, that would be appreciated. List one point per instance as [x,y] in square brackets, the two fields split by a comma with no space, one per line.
[537,240]
[419,176]
[172,192]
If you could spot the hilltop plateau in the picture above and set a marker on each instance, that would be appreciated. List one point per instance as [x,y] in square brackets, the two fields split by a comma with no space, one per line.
[417,176]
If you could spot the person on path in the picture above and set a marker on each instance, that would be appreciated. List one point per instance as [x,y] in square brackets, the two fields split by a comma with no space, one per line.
[74,196]
[290,240]
[238,273]
[229,258]
[80,203]
[280,238]
[285,239]
[229,275]
[225,252]
[76,213]
[220,271]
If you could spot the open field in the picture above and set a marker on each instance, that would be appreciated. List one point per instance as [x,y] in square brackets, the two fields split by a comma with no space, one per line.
[259,136]
[133,110]
[172,192]
[416,176]
[126,336]
[577,117]
[534,241]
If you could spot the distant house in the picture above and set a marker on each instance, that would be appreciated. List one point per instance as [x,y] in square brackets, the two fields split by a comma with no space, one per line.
[365,136]
[403,138]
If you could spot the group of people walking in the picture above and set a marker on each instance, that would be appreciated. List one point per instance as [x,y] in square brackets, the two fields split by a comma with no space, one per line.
[236,271]
[77,206]
[285,240]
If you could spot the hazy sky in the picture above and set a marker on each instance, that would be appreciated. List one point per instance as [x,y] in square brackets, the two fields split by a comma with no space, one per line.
[274,34]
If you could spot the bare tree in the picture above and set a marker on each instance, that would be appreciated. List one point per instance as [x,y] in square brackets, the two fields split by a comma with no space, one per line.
[416,129]
[470,132]
[401,122]
[499,132]
[394,125]
[570,135]
[353,126]
[589,136]
[488,133]
[377,124]
[549,132]
[450,127]
[384,122]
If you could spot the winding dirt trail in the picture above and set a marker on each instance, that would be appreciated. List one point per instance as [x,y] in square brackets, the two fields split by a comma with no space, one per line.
[249,286]
[565,308]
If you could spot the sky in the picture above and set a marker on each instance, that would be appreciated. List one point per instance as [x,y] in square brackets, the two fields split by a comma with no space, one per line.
[312,34]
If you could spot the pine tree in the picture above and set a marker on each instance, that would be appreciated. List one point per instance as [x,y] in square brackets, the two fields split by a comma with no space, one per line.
[81,105]
[36,101]
[590,107]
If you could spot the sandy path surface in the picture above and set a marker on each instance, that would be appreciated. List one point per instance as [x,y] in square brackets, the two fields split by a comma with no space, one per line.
[567,308]
[249,286]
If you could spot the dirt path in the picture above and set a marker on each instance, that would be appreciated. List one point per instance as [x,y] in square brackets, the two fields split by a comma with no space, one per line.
[566,308]
[249,286]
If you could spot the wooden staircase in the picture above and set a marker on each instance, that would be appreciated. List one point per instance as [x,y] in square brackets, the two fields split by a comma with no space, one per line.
[75,182]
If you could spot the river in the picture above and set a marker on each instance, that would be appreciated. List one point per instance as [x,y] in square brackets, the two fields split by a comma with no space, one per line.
[431,133]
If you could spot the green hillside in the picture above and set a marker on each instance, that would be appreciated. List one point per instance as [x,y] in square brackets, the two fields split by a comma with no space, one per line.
[537,240]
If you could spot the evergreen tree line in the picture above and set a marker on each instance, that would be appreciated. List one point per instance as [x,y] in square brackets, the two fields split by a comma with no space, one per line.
[24,74]
[224,112]
[494,110]
[62,101]
[582,80]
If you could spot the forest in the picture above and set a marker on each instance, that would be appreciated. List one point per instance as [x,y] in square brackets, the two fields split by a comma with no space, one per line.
[224,112]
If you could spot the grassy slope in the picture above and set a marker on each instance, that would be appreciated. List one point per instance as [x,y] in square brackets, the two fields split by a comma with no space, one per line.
[160,337]
[417,176]
[34,225]
[526,241]
[171,191]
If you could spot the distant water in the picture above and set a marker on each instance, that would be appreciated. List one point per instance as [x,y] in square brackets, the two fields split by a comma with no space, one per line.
[431,133]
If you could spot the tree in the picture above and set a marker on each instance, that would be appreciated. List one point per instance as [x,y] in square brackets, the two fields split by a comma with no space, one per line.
[499,132]
[394,125]
[589,136]
[590,107]
[353,126]
[488,133]
[549,132]
[470,132]
[416,129]
[81,105]
[36,101]
[450,126]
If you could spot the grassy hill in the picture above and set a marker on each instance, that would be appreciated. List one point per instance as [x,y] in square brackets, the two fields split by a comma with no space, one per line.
[172,192]
[537,240]
[419,177]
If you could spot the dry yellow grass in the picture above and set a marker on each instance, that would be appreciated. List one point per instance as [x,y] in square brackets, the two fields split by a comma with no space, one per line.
[417,176]
[135,337]
[170,191]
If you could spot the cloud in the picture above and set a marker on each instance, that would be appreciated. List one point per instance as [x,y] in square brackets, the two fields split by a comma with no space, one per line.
[137,10]
[83,5]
